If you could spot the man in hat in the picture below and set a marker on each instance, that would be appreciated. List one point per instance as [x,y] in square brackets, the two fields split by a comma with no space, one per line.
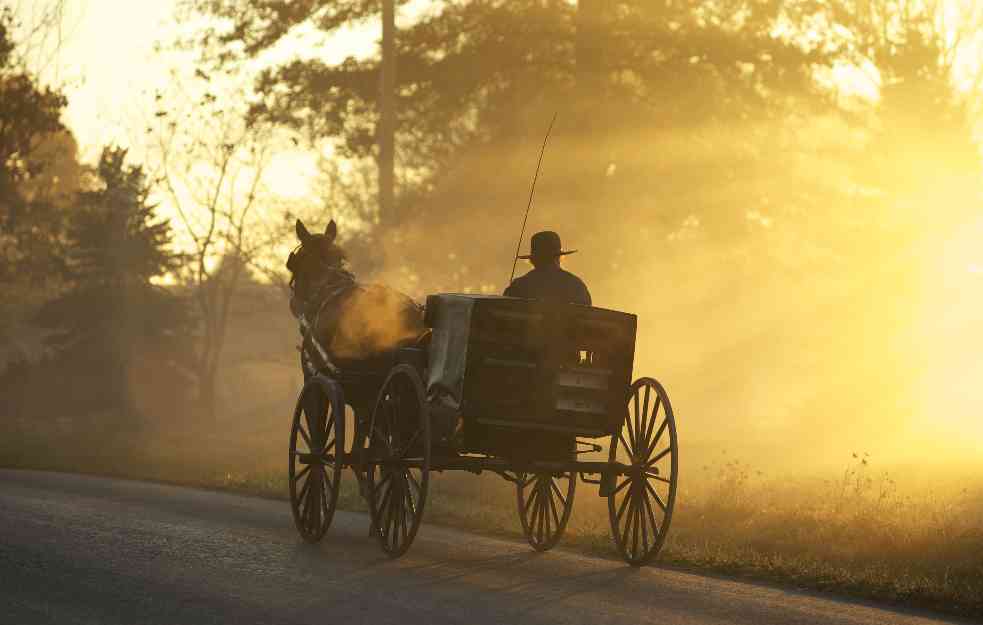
[548,281]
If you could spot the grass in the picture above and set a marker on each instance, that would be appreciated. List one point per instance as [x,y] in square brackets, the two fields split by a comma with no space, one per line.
[859,533]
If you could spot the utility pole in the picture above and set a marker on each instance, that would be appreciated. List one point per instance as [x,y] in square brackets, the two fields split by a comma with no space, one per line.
[387,116]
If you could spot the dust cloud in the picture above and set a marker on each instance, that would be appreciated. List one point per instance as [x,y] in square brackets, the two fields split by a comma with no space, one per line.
[789,333]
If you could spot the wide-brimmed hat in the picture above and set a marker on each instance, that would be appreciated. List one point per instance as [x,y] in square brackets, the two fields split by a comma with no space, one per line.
[546,244]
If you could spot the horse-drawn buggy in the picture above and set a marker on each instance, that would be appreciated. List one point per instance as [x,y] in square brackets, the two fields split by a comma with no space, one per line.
[520,388]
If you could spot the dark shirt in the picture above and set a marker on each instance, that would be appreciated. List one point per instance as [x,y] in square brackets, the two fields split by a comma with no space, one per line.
[552,284]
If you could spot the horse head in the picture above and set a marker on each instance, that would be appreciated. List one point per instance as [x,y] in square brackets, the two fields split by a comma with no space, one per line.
[315,259]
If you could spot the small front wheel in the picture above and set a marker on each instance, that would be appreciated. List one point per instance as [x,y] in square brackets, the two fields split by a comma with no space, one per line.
[545,503]
[316,448]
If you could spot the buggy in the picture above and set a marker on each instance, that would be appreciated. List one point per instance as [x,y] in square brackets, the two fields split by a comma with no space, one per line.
[520,388]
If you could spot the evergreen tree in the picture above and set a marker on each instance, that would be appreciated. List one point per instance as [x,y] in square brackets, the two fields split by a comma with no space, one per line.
[112,309]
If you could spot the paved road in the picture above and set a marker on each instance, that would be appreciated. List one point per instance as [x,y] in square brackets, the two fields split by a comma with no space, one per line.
[78,549]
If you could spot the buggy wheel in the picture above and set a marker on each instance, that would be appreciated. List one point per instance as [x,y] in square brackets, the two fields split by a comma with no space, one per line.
[641,502]
[317,439]
[399,460]
[545,504]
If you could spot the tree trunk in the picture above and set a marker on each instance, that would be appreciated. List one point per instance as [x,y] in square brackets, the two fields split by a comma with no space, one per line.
[585,134]
[387,116]
[589,48]
[206,395]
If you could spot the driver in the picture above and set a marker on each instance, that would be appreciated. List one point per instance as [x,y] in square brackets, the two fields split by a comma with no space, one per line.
[548,280]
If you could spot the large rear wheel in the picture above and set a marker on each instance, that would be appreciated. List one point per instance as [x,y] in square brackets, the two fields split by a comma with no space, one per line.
[316,449]
[641,502]
[399,460]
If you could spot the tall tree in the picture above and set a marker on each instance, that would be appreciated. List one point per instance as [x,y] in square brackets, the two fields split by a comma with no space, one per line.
[210,163]
[387,116]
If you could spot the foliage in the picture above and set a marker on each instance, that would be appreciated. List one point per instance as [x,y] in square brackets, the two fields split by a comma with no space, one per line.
[27,113]
[112,310]
[210,162]
[30,124]
[39,178]
[478,72]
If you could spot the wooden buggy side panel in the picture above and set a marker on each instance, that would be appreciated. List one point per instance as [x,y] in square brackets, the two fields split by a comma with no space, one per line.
[532,372]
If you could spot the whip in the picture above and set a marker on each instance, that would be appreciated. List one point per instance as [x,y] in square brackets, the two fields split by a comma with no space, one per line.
[515,257]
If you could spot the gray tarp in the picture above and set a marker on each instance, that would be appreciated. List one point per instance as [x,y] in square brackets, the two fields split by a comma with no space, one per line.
[449,316]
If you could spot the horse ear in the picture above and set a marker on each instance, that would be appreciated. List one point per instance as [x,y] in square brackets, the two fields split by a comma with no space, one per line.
[302,232]
[331,231]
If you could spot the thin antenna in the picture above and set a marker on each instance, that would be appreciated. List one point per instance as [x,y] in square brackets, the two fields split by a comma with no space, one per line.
[515,257]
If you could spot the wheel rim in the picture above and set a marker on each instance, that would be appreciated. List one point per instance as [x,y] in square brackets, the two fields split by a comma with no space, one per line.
[641,503]
[314,467]
[399,452]
[545,503]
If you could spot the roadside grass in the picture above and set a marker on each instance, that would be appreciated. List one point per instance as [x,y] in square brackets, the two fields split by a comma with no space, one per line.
[859,533]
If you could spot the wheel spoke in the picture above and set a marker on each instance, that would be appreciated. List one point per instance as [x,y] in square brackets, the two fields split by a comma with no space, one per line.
[655,441]
[313,503]
[621,486]
[383,506]
[327,478]
[302,472]
[387,525]
[556,489]
[651,425]
[631,431]
[396,506]
[641,424]
[624,504]
[556,516]
[403,508]
[325,498]
[656,527]
[406,448]
[533,494]
[385,480]
[547,502]
[532,507]
[662,454]
[402,517]
[631,507]
[658,499]
[413,482]
[306,487]
[304,435]
[621,437]
[656,476]
[410,500]
[389,511]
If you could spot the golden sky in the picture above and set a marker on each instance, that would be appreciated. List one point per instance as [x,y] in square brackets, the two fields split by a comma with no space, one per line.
[110,71]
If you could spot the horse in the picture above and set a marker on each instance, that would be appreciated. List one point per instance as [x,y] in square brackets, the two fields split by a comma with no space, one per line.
[349,328]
